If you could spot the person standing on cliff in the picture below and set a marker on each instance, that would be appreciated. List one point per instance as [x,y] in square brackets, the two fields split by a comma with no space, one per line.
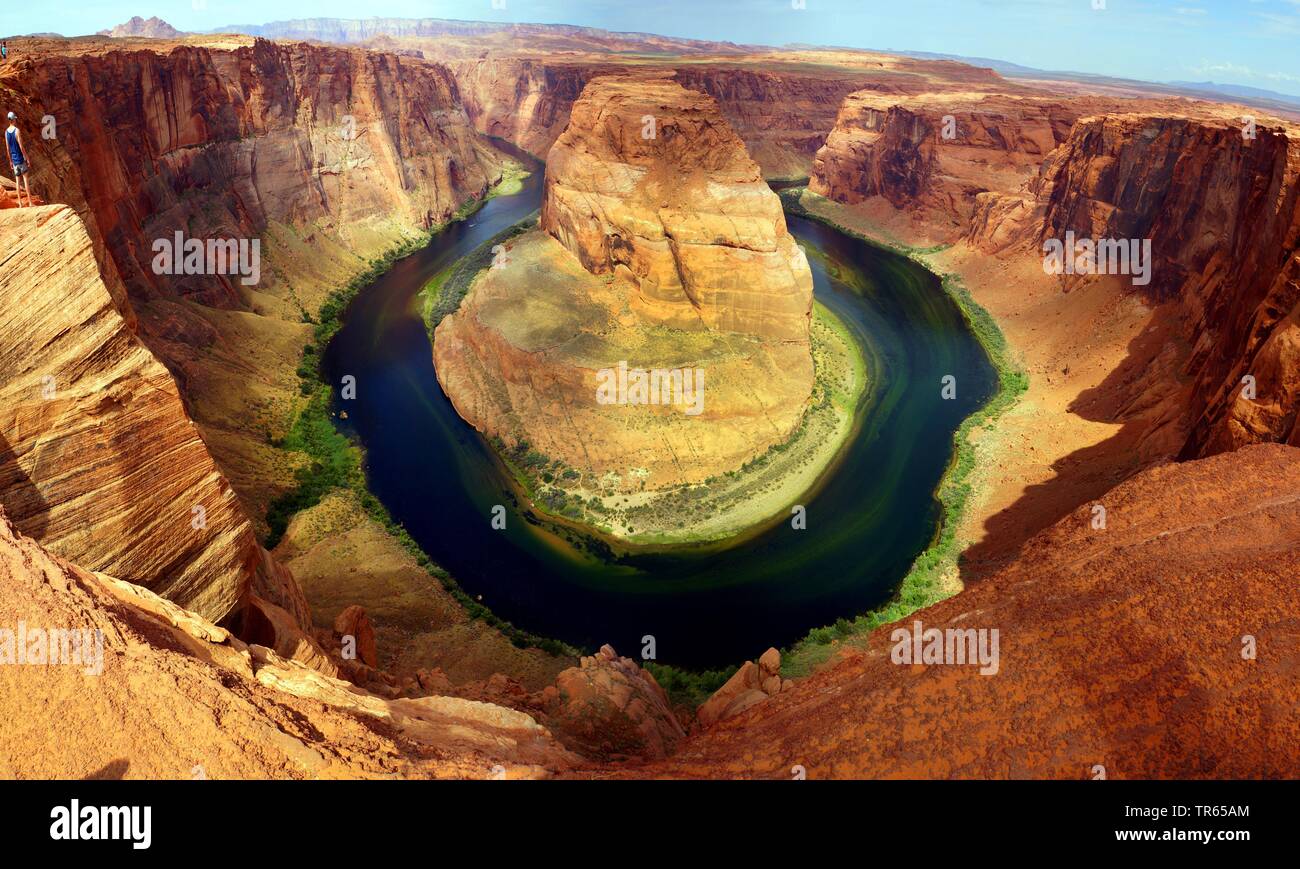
[18,160]
[4,51]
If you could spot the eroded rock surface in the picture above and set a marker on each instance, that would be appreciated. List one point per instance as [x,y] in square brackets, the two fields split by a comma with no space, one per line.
[1123,647]
[98,459]
[933,153]
[174,696]
[1222,213]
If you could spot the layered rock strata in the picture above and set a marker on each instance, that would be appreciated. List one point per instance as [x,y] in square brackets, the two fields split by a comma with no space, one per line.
[933,153]
[326,157]
[1221,211]
[98,459]
[143,688]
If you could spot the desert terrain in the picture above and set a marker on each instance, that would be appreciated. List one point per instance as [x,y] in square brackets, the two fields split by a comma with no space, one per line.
[171,473]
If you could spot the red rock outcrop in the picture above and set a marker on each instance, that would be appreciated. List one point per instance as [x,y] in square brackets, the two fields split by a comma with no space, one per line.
[782,116]
[327,156]
[236,143]
[150,690]
[98,459]
[1162,646]
[610,708]
[752,684]
[934,153]
[524,100]
[1222,212]
[1218,202]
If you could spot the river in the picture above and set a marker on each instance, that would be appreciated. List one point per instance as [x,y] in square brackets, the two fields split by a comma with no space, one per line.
[705,606]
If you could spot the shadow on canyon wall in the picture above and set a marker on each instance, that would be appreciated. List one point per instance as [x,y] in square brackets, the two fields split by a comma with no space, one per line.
[21,499]
[1143,395]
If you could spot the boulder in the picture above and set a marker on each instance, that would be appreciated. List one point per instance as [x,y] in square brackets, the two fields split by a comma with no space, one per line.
[354,622]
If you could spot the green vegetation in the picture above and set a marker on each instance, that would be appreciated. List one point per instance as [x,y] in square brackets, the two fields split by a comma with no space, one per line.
[689,687]
[445,291]
[923,585]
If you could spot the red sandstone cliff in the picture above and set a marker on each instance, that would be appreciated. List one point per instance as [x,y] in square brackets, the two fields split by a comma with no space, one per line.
[933,153]
[1222,211]
[783,116]
[98,458]
[327,156]
[355,145]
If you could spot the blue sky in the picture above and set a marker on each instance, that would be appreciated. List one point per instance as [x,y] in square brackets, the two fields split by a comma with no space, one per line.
[1248,42]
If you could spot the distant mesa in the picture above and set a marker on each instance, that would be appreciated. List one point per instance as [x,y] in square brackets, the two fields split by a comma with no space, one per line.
[150,28]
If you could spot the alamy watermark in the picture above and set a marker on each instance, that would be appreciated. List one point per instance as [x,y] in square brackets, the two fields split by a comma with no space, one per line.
[33,646]
[954,646]
[1100,256]
[675,387]
[217,256]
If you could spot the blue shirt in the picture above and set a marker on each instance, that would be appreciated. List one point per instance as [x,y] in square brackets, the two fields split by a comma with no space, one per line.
[15,151]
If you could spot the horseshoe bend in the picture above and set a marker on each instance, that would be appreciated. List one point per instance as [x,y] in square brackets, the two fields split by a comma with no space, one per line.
[549,401]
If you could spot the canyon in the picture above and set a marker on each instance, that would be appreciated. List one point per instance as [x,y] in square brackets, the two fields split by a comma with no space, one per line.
[1162,373]
[142,416]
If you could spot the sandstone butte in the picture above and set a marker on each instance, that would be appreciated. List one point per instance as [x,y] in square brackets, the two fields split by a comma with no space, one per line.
[663,249]
[1195,555]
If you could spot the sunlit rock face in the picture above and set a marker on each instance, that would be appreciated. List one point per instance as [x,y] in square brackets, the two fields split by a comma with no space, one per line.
[98,458]
[1222,213]
[660,248]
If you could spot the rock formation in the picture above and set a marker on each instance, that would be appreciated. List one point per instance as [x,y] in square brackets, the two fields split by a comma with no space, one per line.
[610,708]
[933,153]
[326,156]
[98,459]
[1222,212]
[752,684]
[151,28]
[782,117]
[658,253]
[1123,647]
[649,182]
[524,100]
[150,690]
[1219,204]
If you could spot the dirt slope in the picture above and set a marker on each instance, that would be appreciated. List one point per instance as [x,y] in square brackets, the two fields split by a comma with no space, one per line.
[1121,647]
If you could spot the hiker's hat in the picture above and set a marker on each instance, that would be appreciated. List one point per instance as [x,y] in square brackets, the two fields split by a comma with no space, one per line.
[12,116]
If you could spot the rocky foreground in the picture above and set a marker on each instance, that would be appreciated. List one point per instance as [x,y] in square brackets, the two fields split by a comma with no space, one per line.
[1163,645]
